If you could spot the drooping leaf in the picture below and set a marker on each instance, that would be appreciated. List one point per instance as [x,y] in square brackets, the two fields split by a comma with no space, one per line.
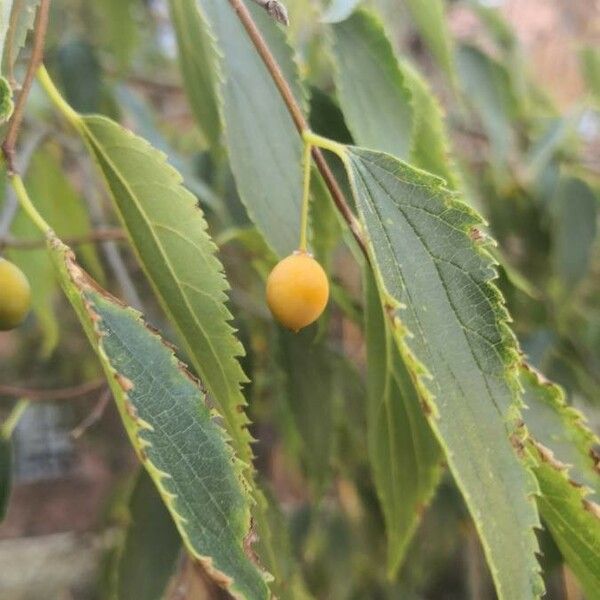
[198,66]
[312,393]
[431,22]
[173,431]
[451,330]
[405,456]
[371,87]
[566,466]
[574,215]
[168,231]
[147,557]
[487,88]
[431,147]
[263,145]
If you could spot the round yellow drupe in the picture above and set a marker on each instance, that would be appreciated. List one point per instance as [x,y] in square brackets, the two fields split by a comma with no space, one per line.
[15,295]
[297,290]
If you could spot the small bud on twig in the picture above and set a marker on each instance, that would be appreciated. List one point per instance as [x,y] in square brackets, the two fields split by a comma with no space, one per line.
[276,9]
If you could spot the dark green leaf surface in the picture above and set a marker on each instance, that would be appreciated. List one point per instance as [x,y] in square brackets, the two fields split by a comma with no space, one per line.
[168,232]
[173,431]
[405,456]
[452,333]
[371,88]
[151,546]
[263,145]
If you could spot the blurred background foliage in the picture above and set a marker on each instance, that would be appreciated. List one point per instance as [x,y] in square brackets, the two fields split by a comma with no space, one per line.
[519,83]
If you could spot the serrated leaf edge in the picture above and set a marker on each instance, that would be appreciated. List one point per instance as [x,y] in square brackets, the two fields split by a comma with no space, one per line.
[134,425]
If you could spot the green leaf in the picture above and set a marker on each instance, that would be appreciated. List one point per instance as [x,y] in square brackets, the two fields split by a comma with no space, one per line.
[263,145]
[6,102]
[574,215]
[405,456]
[147,557]
[430,143]
[371,87]
[197,62]
[487,87]
[174,432]
[168,232]
[431,22]
[566,467]
[561,429]
[312,394]
[452,333]
[119,29]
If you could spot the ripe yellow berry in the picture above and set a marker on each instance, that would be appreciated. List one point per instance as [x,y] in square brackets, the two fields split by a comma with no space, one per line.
[15,295]
[297,290]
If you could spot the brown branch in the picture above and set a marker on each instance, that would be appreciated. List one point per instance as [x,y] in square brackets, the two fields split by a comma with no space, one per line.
[299,120]
[37,54]
[39,395]
[98,235]
[94,416]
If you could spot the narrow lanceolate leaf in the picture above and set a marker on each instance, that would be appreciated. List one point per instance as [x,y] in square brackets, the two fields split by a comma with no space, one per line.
[405,456]
[21,21]
[452,333]
[168,232]
[5,475]
[431,22]
[263,145]
[147,557]
[371,88]
[173,431]
[566,467]
[198,65]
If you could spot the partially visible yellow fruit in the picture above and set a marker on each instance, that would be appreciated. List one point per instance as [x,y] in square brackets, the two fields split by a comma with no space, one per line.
[297,290]
[15,295]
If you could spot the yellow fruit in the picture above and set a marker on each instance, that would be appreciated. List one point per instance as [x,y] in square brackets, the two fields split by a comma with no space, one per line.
[15,295]
[297,290]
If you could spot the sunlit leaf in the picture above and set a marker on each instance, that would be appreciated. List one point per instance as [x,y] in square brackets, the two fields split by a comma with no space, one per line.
[168,232]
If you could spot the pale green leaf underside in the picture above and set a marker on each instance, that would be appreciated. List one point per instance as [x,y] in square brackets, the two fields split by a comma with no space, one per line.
[175,435]
[427,261]
[263,145]
[371,88]
[22,16]
[168,232]
[405,456]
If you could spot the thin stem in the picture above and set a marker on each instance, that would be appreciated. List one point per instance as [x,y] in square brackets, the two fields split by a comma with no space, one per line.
[7,428]
[37,395]
[99,235]
[306,162]
[299,120]
[56,97]
[26,204]
[37,52]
